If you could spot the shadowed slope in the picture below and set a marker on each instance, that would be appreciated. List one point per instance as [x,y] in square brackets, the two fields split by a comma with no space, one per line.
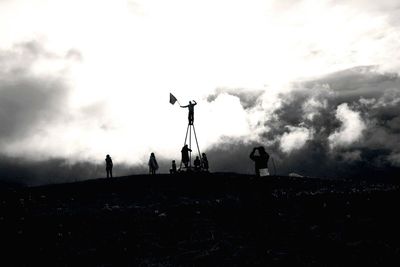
[220,219]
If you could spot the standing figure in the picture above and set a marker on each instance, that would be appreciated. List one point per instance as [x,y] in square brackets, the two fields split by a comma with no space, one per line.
[173,168]
[109,166]
[261,161]
[197,164]
[204,162]
[153,165]
[185,155]
[191,111]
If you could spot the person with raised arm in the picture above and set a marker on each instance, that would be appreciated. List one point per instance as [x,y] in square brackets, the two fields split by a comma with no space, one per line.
[191,111]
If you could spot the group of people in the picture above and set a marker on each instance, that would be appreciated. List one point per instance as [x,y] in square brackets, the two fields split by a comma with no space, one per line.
[199,164]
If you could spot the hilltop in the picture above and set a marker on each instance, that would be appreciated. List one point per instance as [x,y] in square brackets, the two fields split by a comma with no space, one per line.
[221,219]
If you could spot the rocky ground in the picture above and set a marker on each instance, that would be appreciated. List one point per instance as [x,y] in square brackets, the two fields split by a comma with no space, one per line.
[202,220]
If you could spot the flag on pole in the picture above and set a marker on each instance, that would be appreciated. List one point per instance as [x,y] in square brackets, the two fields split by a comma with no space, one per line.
[172,99]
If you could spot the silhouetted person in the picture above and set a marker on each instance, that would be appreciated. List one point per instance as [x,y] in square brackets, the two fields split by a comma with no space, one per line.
[191,111]
[153,165]
[204,162]
[185,155]
[197,164]
[173,168]
[109,166]
[261,161]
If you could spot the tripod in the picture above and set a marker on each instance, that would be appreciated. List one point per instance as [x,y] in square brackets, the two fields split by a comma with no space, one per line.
[189,131]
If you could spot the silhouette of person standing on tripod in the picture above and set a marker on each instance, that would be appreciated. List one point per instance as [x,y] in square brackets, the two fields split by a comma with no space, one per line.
[186,157]
[191,111]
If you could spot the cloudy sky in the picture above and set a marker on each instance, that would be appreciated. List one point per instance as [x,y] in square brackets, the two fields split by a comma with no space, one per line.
[315,82]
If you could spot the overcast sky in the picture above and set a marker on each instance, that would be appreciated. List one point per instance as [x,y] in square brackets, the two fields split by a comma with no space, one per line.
[82,79]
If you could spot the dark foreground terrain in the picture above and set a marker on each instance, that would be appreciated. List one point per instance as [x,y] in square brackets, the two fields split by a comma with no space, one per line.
[201,220]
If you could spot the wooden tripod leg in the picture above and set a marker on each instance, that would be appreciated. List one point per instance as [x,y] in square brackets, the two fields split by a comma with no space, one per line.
[197,143]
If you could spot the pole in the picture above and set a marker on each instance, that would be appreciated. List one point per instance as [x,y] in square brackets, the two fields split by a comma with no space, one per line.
[197,143]
[190,146]
[186,135]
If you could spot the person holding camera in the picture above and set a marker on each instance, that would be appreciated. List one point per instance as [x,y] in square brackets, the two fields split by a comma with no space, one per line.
[260,161]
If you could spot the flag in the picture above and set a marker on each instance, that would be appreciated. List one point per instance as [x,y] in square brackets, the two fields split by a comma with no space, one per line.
[172,99]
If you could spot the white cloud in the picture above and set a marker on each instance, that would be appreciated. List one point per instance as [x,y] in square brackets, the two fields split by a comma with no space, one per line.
[351,128]
[295,138]
[312,106]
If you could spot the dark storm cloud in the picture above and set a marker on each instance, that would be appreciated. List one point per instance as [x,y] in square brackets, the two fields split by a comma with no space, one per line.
[349,85]
[26,99]
[29,102]
[248,98]
[313,105]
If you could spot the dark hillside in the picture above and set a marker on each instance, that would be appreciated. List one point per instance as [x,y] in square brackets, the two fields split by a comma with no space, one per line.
[202,220]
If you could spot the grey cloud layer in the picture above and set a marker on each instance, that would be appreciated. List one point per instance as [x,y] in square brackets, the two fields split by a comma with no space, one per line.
[27,100]
[363,92]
